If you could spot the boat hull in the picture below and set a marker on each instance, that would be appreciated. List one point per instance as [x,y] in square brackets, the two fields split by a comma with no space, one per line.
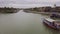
[50,26]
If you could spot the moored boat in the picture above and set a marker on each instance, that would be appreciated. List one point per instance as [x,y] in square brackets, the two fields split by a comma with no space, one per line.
[52,23]
[54,15]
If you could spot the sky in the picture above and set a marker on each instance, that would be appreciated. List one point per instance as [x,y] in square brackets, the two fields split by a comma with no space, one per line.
[28,3]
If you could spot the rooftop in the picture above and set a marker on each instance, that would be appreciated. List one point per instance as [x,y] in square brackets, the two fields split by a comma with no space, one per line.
[49,19]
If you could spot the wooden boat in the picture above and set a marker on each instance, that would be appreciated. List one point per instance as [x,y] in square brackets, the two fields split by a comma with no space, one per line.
[52,23]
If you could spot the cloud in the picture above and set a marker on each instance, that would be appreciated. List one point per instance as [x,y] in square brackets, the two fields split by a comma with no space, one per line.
[27,2]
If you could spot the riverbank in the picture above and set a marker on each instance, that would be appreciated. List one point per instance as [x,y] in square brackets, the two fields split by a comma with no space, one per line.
[44,10]
[36,12]
[9,10]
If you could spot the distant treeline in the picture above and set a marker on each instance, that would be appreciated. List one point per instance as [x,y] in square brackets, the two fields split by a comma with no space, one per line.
[9,10]
[45,9]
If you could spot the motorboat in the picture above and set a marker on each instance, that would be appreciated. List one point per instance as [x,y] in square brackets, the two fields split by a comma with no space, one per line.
[52,23]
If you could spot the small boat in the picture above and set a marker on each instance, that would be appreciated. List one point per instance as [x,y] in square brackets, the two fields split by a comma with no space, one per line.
[55,24]
[54,15]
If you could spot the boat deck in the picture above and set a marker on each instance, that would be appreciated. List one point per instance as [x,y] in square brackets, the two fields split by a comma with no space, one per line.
[49,19]
[57,21]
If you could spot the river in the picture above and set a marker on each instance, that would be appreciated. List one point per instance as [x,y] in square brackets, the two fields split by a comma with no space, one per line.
[24,23]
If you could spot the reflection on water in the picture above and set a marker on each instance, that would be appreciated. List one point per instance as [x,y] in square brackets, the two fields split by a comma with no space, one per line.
[24,23]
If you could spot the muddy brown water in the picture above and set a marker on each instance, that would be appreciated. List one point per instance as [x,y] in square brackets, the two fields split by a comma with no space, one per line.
[24,23]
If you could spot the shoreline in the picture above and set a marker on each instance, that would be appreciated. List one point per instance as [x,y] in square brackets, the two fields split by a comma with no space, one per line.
[47,13]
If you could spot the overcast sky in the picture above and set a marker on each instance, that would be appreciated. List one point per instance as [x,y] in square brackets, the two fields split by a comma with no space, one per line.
[28,2]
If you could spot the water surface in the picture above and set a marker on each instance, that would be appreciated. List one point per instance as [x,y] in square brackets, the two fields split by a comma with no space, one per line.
[24,23]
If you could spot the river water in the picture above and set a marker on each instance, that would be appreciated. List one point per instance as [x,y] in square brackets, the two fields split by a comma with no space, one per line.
[24,23]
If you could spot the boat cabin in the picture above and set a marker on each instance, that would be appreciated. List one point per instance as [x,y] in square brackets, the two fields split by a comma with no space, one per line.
[52,23]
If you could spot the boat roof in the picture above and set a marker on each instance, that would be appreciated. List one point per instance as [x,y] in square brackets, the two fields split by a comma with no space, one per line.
[52,20]
[49,19]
